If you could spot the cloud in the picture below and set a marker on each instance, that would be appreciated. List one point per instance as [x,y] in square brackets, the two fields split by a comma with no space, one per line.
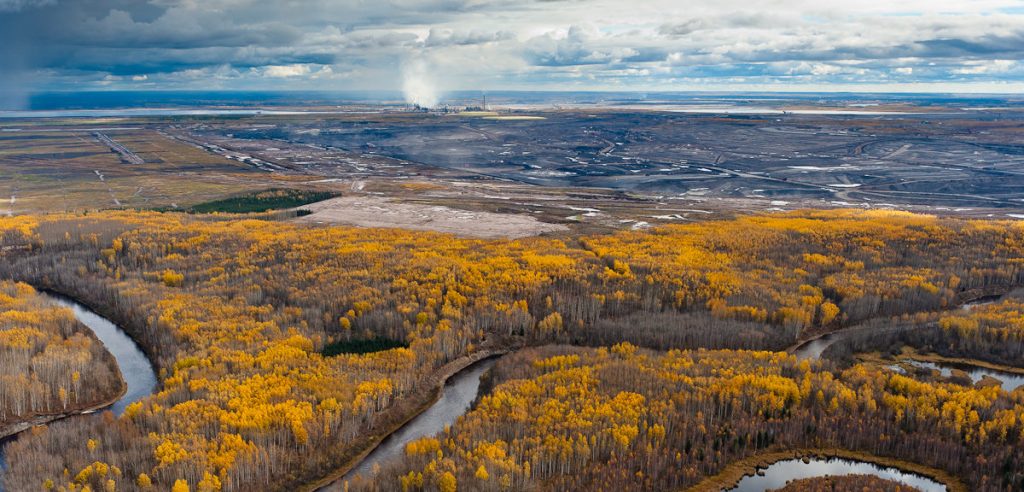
[807,68]
[986,67]
[341,44]
[579,45]
[732,20]
[450,37]
[285,71]
[683,28]
[18,5]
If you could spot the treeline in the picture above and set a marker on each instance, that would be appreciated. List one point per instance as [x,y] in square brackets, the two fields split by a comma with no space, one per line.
[49,363]
[262,201]
[991,332]
[236,314]
[847,483]
[569,418]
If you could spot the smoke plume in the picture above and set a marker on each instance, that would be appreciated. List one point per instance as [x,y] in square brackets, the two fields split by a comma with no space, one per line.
[418,84]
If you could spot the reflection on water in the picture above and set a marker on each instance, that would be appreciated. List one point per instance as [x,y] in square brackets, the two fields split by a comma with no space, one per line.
[779,473]
[981,301]
[131,360]
[813,349]
[456,398]
[1008,380]
[135,367]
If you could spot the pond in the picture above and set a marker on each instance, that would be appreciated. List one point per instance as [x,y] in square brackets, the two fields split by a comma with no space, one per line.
[1008,380]
[779,473]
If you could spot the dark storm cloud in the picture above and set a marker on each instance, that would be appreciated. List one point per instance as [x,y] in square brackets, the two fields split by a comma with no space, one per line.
[17,5]
[986,46]
[118,61]
[176,29]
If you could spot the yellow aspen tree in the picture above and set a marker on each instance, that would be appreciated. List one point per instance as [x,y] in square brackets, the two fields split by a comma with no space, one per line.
[447,482]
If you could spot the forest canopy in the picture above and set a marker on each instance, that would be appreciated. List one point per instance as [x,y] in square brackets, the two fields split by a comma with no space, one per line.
[237,313]
[49,363]
[570,418]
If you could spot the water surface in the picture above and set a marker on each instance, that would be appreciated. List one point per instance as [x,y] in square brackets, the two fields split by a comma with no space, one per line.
[779,473]
[457,397]
[1008,380]
[812,349]
[135,368]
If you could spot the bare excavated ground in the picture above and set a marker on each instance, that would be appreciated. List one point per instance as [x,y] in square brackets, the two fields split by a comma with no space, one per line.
[373,211]
[593,171]
[954,161]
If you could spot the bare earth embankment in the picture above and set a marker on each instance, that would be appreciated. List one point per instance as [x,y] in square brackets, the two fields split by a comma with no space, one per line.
[370,211]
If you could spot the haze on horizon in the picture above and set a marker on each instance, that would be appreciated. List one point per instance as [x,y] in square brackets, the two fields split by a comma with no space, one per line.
[432,46]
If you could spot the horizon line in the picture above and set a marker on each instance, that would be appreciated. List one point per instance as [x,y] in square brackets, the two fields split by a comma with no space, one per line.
[535,91]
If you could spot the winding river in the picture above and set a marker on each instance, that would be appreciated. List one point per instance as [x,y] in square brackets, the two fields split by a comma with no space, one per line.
[462,389]
[135,367]
[813,348]
[777,474]
[457,397]
[781,472]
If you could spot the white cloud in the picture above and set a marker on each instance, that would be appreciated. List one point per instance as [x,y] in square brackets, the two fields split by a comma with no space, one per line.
[825,69]
[285,71]
[986,67]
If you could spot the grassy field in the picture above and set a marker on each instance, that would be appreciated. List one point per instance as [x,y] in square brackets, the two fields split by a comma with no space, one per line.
[57,169]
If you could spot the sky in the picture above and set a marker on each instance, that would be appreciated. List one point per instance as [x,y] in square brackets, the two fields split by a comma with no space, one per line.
[432,46]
